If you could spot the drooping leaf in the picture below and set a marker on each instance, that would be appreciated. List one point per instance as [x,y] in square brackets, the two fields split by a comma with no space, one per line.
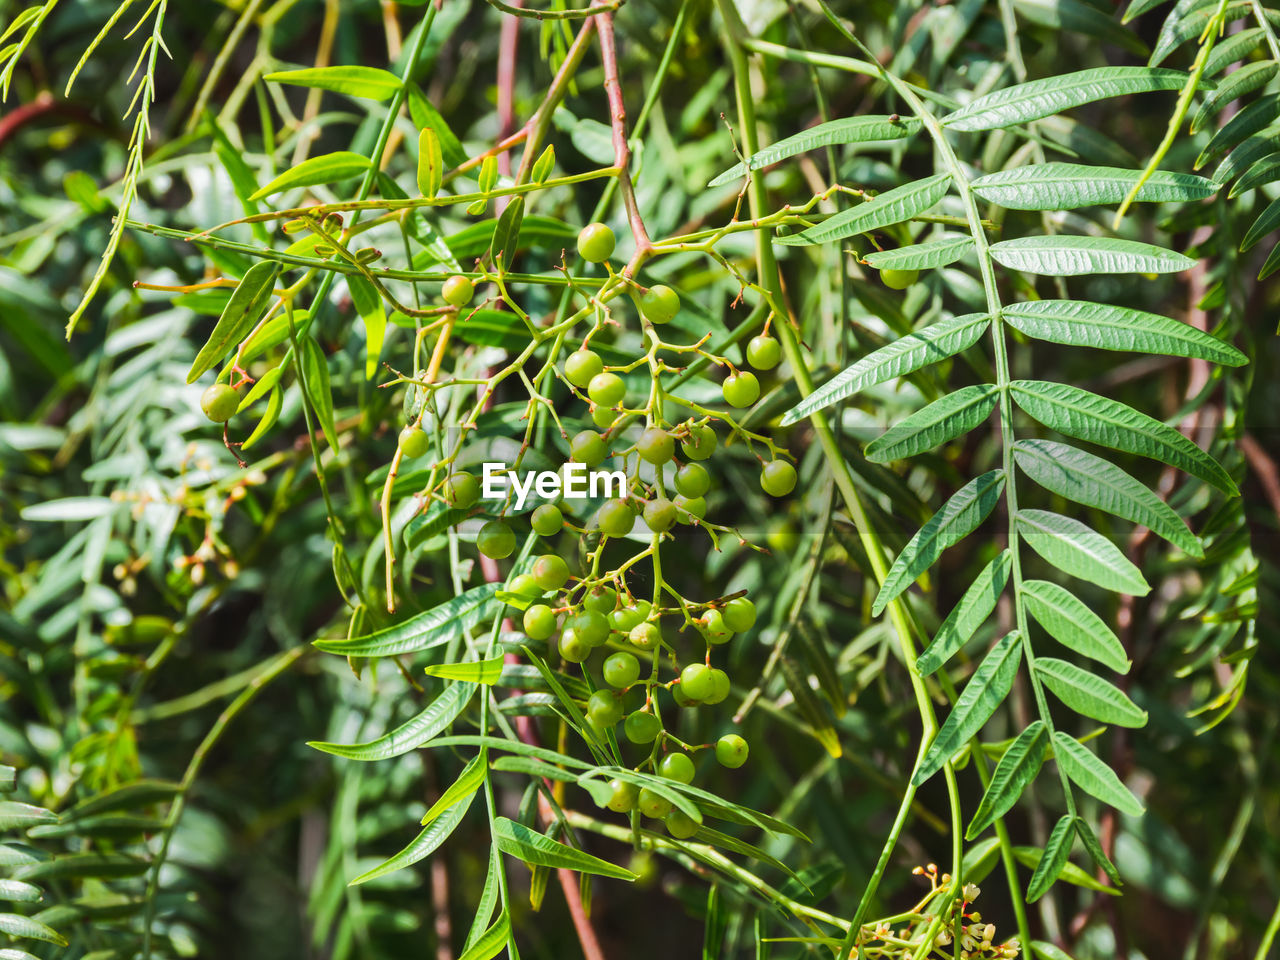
[1017,768]
[1252,119]
[1043,98]
[468,782]
[921,256]
[1066,256]
[1093,776]
[429,629]
[241,313]
[535,849]
[1066,186]
[946,418]
[1054,857]
[1109,423]
[1267,221]
[892,206]
[368,83]
[506,235]
[435,719]
[315,365]
[491,942]
[1088,694]
[484,672]
[956,519]
[1096,853]
[905,355]
[1248,78]
[985,691]
[430,163]
[1266,170]
[16,925]
[1073,624]
[329,168]
[1095,482]
[1075,549]
[860,129]
[423,845]
[967,615]
[18,816]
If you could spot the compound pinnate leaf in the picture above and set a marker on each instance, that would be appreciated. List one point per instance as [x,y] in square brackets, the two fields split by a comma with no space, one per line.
[967,615]
[1073,624]
[985,691]
[1043,98]
[1109,423]
[1066,186]
[1084,478]
[861,129]
[329,168]
[1088,694]
[1054,857]
[239,316]
[426,630]
[435,719]
[905,355]
[1075,549]
[956,519]
[423,845]
[368,83]
[1017,768]
[1064,256]
[921,256]
[535,849]
[1093,776]
[892,206]
[945,419]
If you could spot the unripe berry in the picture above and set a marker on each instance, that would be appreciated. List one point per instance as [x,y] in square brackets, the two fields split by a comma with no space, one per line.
[588,447]
[591,627]
[741,389]
[616,518]
[696,681]
[740,614]
[219,402]
[581,366]
[539,622]
[731,751]
[692,507]
[713,627]
[458,290]
[595,242]
[763,352]
[606,389]
[646,636]
[655,446]
[641,727]
[601,599]
[899,279]
[700,444]
[461,490]
[653,805]
[621,670]
[414,442]
[659,304]
[778,478]
[572,647]
[547,520]
[680,825]
[660,515]
[623,799]
[496,540]
[550,572]
[604,708]
[692,480]
[676,766]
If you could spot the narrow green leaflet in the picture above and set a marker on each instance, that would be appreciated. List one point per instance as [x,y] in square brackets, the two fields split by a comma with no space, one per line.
[484,671]
[535,849]
[1093,776]
[368,83]
[1252,119]
[967,615]
[424,114]
[985,691]
[329,168]
[435,719]
[1063,256]
[1266,170]
[1109,423]
[905,355]
[1117,328]
[1079,16]
[1250,77]
[921,256]
[945,419]
[506,235]
[862,129]
[1088,694]
[1095,482]
[1267,221]
[19,816]
[368,303]
[18,926]
[1066,186]
[1070,621]
[19,891]
[423,845]
[319,391]
[430,163]
[489,897]
[468,782]
[491,942]
[956,519]
[1017,768]
[892,206]
[85,865]
[1095,850]
[1043,98]
[1075,549]
[241,313]
[429,629]
[1052,860]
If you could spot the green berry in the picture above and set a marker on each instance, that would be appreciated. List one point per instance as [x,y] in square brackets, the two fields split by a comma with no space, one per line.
[572,647]
[641,727]
[713,627]
[740,614]
[588,447]
[660,515]
[719,686]
[414,442]
[601,599]
[461,490]
[581,366]
[899,279]
[680,825]
[741,389]
[659,304]
[524,586]
[458,290]
[219,402]
[624,796]
[550,572]
[595,243]
[604,708]
[539,622]
[604,417]
[676,766]
[692,507]
[606,389]
[646,636]
[692,480]
[701,442]
[621,670]
[625,618]
[781,535]
[591,627]
[652,805]
[681,697]
[763,352]
[778,478]
[546,520]
[697,681]
[655,446]
[616,518]
[731,751]
[496,540]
